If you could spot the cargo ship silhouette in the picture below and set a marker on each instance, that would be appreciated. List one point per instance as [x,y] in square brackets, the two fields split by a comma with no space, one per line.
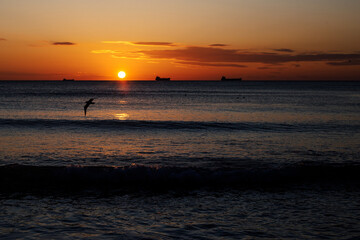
[224,79]
[161,79]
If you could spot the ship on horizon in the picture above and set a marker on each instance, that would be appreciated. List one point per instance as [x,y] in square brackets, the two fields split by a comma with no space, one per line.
[162,79]
[224,79]
[68,80]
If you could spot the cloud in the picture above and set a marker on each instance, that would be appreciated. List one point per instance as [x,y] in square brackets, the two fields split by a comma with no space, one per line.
[154,43]
[118,42]
[218,45]
[167,44]
[284,50]
[3,39]
[219,55]
[121,54]
[271,68]
[129,56]
[215,55]
[104,51]
[345,63]
[213,64]
[64,43]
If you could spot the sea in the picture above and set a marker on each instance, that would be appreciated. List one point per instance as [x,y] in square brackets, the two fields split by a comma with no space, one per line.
[179,160]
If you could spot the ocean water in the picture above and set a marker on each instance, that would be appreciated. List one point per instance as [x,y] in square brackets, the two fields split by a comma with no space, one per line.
[179,160]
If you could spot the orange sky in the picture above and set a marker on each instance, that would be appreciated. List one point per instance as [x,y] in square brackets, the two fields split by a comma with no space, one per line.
[184,40]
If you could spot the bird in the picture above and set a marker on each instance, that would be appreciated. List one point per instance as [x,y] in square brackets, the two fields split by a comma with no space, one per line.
[88,104]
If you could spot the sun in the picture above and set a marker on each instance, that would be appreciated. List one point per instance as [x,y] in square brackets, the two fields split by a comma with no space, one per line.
[121,74]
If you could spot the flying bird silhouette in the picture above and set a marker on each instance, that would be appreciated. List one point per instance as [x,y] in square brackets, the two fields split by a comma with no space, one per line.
[88,104]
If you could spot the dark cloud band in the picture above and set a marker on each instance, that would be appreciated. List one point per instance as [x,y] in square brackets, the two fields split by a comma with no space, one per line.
[154,43]
[64,43]
[218,45]
[284,50]
[219,55]
[213,64]
[354,62]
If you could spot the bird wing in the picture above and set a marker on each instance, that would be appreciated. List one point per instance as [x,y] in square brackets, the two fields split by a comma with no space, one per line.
[88,104]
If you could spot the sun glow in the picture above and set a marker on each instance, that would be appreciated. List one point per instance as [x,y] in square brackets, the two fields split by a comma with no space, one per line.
[121,74]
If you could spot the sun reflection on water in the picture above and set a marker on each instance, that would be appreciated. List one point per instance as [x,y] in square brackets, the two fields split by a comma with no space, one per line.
[122,116]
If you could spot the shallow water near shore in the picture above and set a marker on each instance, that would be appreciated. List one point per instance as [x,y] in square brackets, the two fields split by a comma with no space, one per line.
[198,214]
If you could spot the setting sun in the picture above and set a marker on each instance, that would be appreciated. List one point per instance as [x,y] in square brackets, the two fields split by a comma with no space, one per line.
[121,74]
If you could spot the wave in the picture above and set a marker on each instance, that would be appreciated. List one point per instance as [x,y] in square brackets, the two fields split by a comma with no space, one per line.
[179,125]
[19,178]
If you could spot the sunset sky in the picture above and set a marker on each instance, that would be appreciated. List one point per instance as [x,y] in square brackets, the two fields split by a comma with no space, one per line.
[181,39]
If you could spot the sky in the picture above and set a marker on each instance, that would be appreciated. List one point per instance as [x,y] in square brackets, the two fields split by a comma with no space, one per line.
[181,39]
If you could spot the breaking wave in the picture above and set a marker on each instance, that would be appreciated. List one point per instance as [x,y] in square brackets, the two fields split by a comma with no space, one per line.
[178,125]
[19,178]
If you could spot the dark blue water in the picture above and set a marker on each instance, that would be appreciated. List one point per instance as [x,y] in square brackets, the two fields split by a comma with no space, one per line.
[189,160]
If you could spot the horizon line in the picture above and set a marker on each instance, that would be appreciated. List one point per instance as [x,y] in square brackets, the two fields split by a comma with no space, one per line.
[185,80]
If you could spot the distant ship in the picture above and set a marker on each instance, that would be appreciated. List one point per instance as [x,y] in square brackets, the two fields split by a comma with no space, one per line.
[224,79]
[68,80]
[161,79]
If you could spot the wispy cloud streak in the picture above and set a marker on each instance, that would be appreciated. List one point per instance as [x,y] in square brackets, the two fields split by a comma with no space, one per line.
[218,45]
[155,43]
[284,50]
[213,64]
[166,44]
[121,54]
[345,63]
[64,43]
[104,51]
